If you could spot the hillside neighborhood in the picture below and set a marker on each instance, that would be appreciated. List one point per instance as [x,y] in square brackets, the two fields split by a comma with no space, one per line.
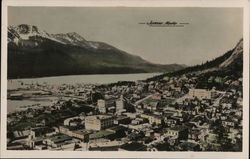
[170,114]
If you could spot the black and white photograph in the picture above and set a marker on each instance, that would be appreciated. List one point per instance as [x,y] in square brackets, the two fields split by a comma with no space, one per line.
[120,79]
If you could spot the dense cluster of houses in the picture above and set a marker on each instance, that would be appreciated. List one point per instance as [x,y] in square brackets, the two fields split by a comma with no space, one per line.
[167,115]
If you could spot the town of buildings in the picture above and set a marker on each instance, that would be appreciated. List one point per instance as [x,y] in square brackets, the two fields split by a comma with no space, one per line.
[166,115]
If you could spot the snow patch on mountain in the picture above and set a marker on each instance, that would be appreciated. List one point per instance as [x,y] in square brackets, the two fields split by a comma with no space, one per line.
[71,39]
[100,45]
[237,51]
[94,45]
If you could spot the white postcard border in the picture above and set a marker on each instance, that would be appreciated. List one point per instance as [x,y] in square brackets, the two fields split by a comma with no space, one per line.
[124,3]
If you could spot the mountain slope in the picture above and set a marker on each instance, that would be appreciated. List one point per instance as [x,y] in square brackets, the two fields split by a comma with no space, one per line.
[229,64]
[33,52]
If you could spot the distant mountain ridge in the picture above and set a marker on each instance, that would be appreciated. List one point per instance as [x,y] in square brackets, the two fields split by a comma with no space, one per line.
[228,64]
[32,52]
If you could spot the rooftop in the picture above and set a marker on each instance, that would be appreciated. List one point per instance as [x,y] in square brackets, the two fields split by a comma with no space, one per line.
[60,138]
[82,132]
[98,117]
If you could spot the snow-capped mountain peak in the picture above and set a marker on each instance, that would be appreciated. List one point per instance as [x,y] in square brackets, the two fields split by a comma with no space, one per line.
[72,38]
[32,36]
[26,32]
[76,36]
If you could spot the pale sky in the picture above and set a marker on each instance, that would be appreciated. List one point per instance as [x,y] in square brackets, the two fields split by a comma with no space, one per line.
[210,33]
